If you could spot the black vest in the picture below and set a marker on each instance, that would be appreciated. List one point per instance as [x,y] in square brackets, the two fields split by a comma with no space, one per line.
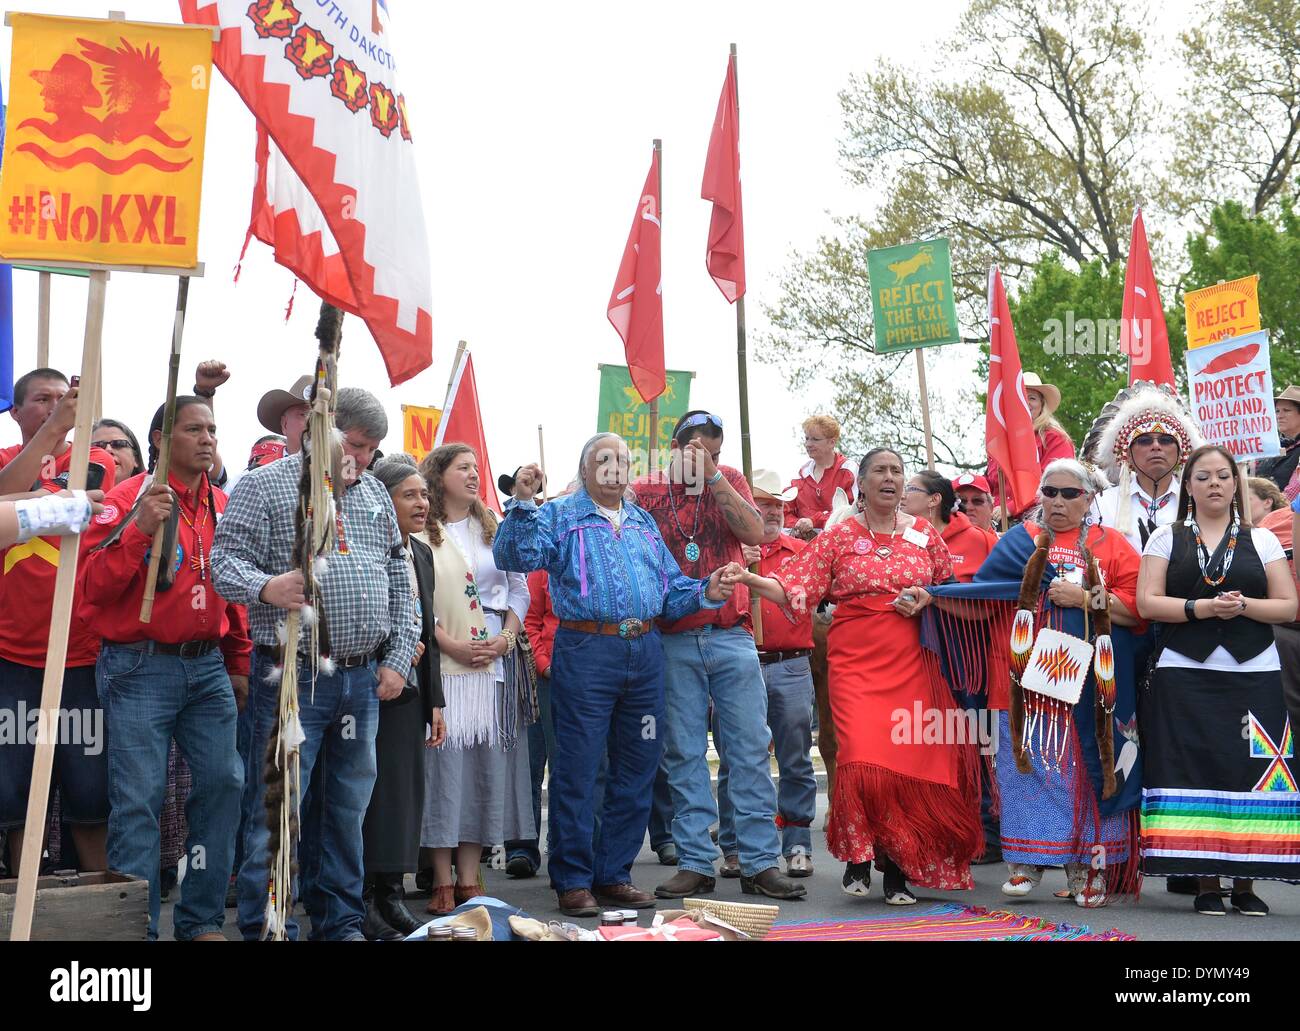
[1241,637]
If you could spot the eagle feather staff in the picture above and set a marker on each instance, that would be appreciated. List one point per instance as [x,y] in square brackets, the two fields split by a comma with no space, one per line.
[305,632]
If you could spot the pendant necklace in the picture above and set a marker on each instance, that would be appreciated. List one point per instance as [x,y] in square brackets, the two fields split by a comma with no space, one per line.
[884,550]
[692,549]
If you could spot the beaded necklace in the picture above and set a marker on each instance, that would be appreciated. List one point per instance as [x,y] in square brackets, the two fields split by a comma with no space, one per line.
[1203,553]
[198,562]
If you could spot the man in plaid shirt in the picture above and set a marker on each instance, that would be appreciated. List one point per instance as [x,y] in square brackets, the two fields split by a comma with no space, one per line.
[370,615]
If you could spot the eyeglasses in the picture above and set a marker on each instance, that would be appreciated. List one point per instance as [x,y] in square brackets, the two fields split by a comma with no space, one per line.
[121,444]
[700,420]
[975,500]
[911,488]
[1163,439]
[1069,493]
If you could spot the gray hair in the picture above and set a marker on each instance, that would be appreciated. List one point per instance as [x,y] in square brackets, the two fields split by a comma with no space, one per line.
[1069,467]
[394,470]
[357,409]
[586,451]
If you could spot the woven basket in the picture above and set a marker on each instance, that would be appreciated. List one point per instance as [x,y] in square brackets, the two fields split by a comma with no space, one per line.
[754,920]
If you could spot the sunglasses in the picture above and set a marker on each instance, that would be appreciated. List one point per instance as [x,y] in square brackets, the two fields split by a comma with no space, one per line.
[1163,439]
[1069,493]
[121,444]
[700,420]
[974,500]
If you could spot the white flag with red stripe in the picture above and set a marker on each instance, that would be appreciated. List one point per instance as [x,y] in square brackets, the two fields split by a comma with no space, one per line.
[340,200]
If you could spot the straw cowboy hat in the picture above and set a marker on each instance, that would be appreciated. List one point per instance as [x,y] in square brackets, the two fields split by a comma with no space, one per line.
[766,483]
[1291,393]
[275,403]
[1051,395]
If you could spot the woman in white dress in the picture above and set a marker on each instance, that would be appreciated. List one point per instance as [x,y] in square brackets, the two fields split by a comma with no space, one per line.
[477,788]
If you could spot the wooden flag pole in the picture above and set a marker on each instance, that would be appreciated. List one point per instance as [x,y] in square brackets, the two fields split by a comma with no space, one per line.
[60,619]
[541,455]
[43,321]
[165,446]
[1002,495]
[653,460]
[451,379]
[925,409]
[742,378]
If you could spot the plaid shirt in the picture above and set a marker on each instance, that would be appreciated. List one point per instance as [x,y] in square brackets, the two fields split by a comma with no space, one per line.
[367,592]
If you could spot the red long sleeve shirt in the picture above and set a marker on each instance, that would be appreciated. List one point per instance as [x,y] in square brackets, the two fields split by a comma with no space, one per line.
[1052,444]
[779,634]
[27,581]
[112,579]
[816,498]
[541,621]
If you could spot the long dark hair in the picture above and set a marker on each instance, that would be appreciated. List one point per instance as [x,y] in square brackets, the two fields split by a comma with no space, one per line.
[435,465]
[941,485]
[125,430]
[1185,502]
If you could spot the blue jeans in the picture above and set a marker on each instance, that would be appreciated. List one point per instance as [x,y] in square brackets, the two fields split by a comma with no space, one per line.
[607,696]
[789,715]
[149,699]
[340,718]
[244,745]
[660,827]
[541,746]
[723,665]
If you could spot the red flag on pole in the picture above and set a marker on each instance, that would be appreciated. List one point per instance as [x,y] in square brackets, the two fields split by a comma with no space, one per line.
[1143,336]
[1008,425]
[725,256]
[461,423]
[636,307]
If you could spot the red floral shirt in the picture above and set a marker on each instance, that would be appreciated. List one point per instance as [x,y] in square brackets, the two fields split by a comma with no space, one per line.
[849,560]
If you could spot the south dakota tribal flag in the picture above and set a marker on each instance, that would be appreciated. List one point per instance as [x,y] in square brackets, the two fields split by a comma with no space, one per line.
[103,157]
[337,195]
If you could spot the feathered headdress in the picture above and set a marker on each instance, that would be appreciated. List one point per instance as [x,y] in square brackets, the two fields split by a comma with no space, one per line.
[1141,408]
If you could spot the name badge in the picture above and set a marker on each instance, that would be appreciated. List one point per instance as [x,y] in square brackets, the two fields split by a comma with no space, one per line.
[914,536]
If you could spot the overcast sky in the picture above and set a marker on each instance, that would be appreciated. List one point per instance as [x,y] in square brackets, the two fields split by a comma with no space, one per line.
[533,124]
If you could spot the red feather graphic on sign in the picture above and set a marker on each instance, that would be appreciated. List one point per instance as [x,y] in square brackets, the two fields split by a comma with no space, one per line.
[1232,359]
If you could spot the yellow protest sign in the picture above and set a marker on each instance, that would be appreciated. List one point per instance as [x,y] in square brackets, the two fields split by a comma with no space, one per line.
[1221,311]
[103,155]
[419,429]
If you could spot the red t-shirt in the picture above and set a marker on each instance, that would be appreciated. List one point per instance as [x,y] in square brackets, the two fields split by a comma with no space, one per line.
[27,575]
[780,634]
[698,513]
[968,544]
[112,579]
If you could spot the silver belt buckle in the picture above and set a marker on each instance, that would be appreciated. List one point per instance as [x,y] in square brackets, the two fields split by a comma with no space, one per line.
[629,629]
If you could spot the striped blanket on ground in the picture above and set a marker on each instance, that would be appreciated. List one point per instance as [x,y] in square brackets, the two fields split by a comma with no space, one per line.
[945,921]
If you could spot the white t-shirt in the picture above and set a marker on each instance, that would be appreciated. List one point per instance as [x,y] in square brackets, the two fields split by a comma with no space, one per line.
[1269,549]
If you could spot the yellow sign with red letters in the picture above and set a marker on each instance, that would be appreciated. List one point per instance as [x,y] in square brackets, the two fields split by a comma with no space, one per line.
[419,429]
[1221,311]
[103,149]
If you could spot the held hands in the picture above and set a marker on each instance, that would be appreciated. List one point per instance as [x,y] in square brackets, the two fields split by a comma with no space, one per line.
[390,684]
[528,483]
[437,730]
[723,581]
[475,654]
[155,509]
[804,529]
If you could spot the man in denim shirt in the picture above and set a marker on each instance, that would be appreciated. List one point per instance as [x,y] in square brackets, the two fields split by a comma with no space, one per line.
[610,577]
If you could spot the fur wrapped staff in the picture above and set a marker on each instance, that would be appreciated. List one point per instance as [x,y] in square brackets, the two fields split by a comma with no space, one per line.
[304,632]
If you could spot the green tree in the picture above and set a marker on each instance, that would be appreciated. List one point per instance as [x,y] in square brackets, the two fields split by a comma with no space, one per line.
[1241,136]
[1237,245]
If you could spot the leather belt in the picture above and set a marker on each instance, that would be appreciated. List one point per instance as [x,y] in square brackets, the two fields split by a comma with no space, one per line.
[185,649]
[350,662]
[628,629]
[766,658]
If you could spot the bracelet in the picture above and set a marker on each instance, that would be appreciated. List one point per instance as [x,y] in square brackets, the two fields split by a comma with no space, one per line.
[715,477]
[209,394]
[511,639]
[1189,608]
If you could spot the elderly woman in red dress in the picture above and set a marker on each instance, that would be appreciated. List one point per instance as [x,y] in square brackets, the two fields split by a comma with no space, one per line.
[903,796]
